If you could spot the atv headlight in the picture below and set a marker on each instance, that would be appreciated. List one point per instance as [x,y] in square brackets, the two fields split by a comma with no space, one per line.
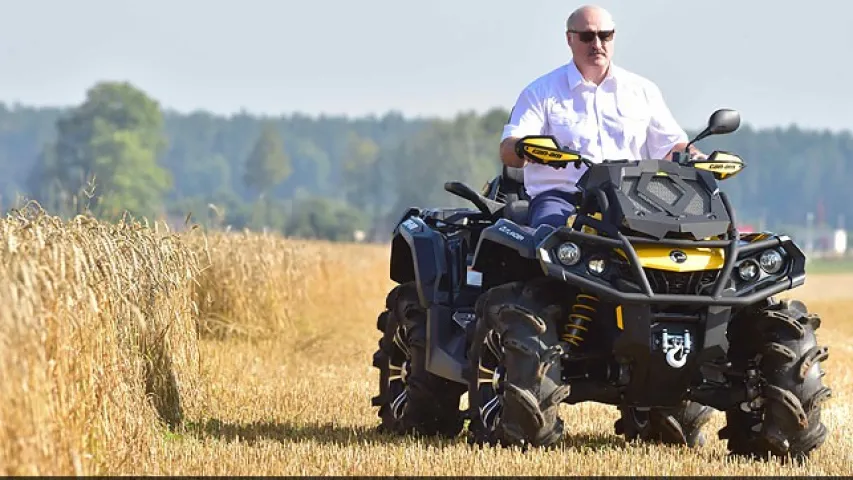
[597,265]
[771,261]
[569,254]
[748,271]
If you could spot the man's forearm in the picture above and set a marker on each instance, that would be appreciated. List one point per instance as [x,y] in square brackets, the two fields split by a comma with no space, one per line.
[508,155]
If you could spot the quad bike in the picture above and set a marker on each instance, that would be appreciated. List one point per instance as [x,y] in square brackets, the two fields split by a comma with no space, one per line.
[649,300]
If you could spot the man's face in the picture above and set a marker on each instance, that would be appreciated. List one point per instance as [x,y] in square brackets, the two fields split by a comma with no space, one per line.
[584,38]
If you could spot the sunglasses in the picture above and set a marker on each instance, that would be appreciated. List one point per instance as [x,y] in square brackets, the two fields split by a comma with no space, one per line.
[588,36]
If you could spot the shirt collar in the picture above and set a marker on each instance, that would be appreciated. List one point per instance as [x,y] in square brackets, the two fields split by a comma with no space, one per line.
[575,78]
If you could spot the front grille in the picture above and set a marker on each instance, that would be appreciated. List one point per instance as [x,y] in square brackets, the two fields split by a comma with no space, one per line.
[680,283]
[675,283]
[664,192]
[640,203]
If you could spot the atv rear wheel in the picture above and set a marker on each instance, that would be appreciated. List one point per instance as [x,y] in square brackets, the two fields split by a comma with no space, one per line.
[778,343]
[411,400]
[672,426]
[514,375]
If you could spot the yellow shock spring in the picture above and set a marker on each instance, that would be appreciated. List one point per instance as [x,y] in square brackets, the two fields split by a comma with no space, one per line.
[583,311]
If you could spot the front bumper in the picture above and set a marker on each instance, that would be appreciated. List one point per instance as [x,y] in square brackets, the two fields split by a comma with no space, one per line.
[726,291]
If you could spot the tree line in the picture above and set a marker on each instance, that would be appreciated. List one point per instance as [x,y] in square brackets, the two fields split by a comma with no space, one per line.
[329,176]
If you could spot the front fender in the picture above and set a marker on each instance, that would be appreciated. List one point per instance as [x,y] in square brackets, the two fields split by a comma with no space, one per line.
[506,235]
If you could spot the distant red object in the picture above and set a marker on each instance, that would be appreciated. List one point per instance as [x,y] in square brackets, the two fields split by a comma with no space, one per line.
[746,229]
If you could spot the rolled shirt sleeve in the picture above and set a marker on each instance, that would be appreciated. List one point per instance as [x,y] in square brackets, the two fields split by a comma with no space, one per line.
[663,132]
[527,116]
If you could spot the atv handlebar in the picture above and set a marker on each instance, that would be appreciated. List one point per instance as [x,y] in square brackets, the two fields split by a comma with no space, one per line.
[485,205]
[545,149]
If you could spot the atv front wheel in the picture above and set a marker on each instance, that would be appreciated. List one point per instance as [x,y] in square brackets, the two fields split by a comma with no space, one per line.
[514,376]
[777,344]
[411,400]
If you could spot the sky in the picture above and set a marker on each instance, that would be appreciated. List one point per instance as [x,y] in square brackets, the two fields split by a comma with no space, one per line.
[777,62]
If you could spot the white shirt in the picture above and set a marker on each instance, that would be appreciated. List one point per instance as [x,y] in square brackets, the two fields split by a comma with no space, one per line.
[623,118]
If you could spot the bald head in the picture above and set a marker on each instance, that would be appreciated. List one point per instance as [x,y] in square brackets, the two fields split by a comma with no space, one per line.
[590,15]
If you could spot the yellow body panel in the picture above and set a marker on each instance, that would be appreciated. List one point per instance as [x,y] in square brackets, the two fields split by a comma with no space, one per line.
[661,258]
[589,230]
[759,237]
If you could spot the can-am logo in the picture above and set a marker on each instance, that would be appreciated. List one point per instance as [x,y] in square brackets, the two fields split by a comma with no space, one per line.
[511,233]
[678,256]
[547,153]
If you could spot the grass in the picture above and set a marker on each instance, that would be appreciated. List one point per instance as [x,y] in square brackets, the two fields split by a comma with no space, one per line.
[822,266]
[257,350]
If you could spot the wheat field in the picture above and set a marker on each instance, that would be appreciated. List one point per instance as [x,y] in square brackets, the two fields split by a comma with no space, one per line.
[129,349]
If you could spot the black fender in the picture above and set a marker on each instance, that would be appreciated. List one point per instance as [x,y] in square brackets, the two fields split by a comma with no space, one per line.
[417,255]
[505,237]
[402,268]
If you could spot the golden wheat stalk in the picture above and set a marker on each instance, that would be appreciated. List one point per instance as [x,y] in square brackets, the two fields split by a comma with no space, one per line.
[99,343]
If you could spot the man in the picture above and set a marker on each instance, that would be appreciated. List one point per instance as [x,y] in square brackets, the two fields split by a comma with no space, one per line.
[592,106]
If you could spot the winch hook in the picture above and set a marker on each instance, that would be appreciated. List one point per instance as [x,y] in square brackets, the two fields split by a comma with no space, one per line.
[675,357]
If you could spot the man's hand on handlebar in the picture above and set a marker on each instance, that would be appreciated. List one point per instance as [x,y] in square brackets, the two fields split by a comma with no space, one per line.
[519,151]
[514,154]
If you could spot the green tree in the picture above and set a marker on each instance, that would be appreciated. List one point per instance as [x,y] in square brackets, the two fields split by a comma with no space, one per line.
[324,218]
[362,185]
[311,167]
[111,142]
[268,165]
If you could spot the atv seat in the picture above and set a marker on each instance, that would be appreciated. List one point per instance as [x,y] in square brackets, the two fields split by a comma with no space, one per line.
[516,211]
[512,184]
